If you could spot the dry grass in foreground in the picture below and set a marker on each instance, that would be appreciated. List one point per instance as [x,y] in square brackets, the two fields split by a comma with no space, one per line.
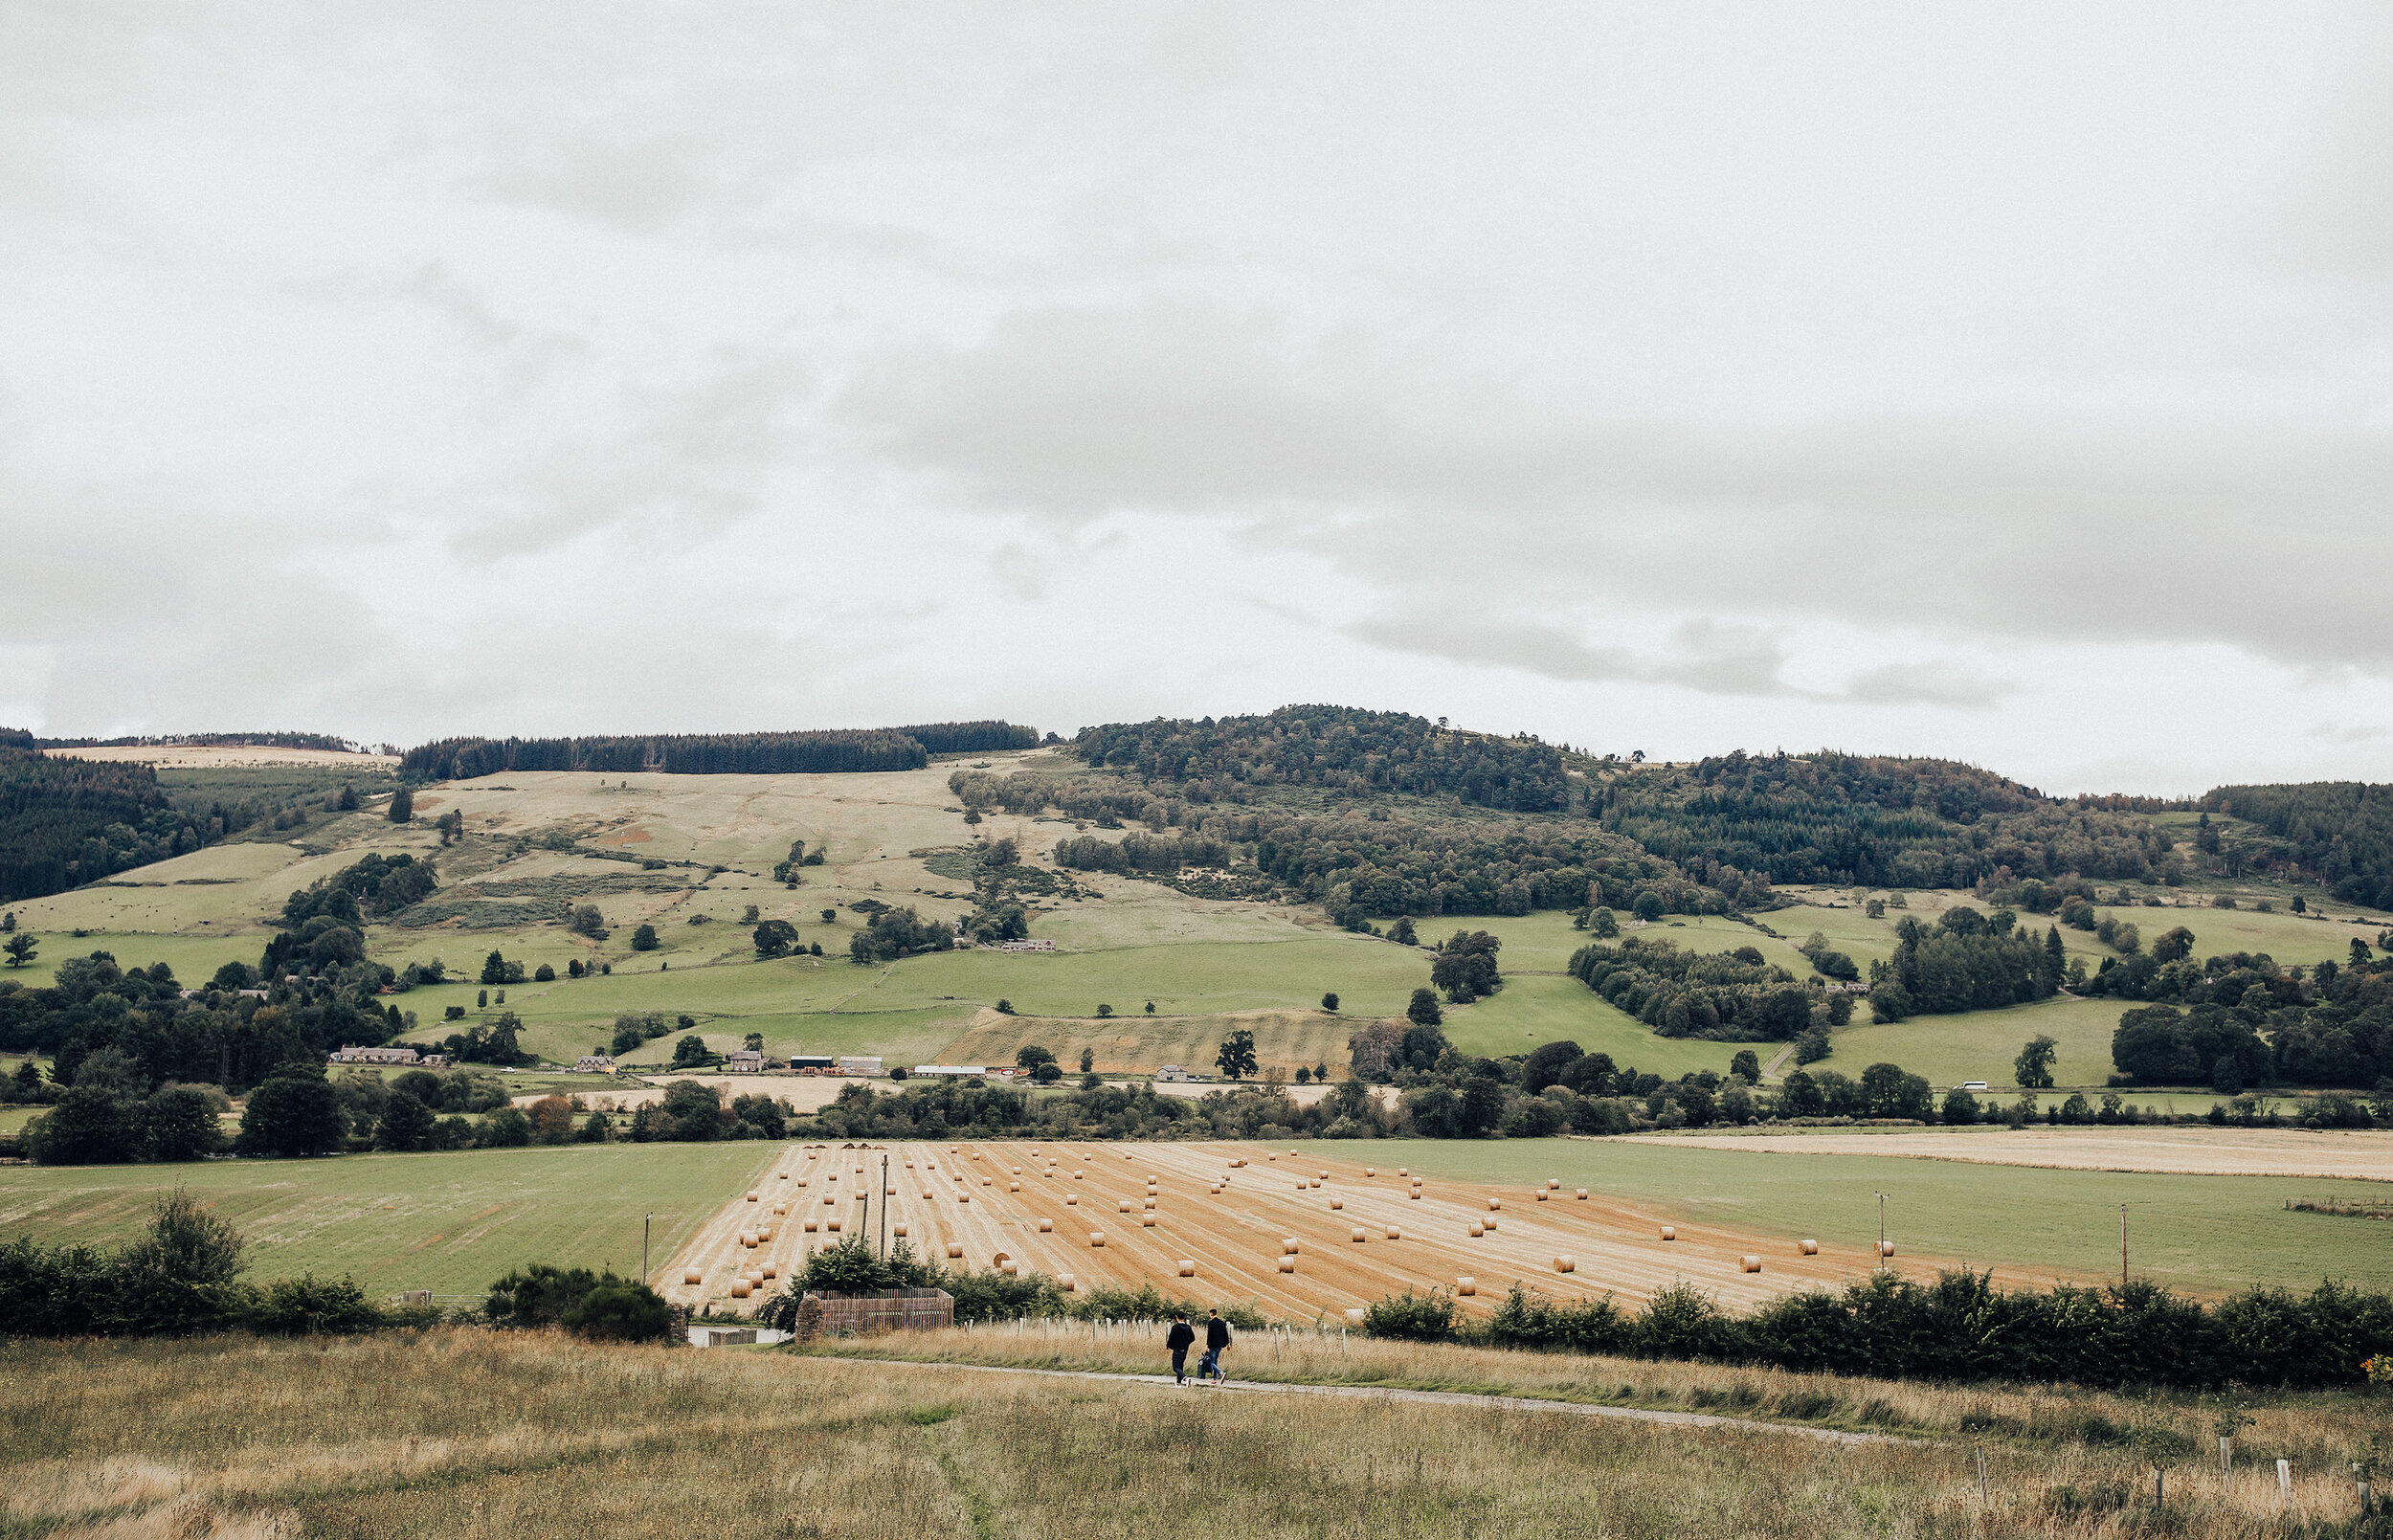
[471,1434]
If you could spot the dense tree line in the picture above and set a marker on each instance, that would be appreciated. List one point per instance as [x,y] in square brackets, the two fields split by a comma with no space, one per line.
[1957,1328]
[822,751]
[892,933]
[2337,833]
[2238,1022]
[1966,961]
[1732,996]
[320,740]
[1102,800]
[64,822]
[1336,747]
[1140,853]
[1872,820]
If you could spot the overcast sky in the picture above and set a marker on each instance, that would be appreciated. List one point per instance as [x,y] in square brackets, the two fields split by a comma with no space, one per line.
[2008,382]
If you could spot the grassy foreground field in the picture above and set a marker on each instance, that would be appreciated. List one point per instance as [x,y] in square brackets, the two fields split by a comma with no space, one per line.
[472,1433]
[2208,1235]
[449,1222]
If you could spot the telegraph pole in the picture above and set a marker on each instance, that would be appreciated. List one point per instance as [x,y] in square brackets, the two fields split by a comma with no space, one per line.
[885,1208]
[2122,1245]
[1882,1230]
[643,1245]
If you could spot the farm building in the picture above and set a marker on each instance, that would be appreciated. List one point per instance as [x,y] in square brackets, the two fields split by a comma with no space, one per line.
[951,1072]
[1026,946]
[813,1063]
[1174,1072]
[350,1055]
[594,1064]
[743,1061]
[861,1065]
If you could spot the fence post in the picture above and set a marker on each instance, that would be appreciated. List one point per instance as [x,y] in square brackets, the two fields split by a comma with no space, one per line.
[2285,1473]
[1981,1478]
[2226,1455]
[2359,1475]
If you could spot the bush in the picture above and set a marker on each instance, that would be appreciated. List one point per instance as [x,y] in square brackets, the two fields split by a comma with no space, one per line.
[617,1311]
[290,1306]
[1412,1317]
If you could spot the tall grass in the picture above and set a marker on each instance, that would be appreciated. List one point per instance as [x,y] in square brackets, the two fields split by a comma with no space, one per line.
[468,1433]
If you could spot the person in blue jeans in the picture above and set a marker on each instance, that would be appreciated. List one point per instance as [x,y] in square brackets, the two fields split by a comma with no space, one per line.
[1217,1343]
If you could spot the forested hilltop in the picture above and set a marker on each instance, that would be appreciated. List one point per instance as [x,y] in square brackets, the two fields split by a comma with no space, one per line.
[1874,821]
[1335,748]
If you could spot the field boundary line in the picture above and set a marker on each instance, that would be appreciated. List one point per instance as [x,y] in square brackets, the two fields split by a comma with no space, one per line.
[1506,1403]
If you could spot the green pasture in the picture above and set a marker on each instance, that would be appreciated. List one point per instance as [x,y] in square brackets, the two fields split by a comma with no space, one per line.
[2198,1234]
[1540,1009]
[1981,1045]
[194,959]
[446,1222]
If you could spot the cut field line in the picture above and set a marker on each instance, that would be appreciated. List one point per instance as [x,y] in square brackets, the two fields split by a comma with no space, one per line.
[1501,1403]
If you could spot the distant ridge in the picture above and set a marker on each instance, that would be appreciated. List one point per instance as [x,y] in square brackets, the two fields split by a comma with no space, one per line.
[824,751]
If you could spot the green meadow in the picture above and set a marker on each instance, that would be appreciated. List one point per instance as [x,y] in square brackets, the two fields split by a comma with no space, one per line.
[2198,1234]
[446,1222]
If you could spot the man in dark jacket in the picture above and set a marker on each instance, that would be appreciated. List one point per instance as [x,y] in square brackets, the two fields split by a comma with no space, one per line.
[1178,1340]
[1217,1342]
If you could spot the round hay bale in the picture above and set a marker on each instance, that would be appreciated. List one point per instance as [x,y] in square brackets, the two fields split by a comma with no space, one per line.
[747,1239]
[1215,1189]
[889,1192]
[987,1181]
[1394,1234]
[859,1170]
[1147,1202]
[1287,1247]
[780,1208]
[740,1289]
[1067,1282]
[1121,1205]
[1321,1176]
[1669,1231]
[1751,1265]
[1414,1194]
[1316,1181]
[1358,1236]
[1370,1171]
[1048,1174]
[752,1195]
[1096,1237]
[1490,1224]
[1072,1199]
[784,1175]
[764,1236]
[1466,1285]
[771,1271]
[1012,1187]
[1477,1229]
[1300,1186]
[1077,1175]
[1582,1195]
[1018,1171]
[898,1229]
[1046,1226]
[1416,1181]
[1541,1194]
[809,1227]
[1337,1203]
[1188,1269]
[1494,1204]
[1001,1259]
[1233,1165]
[691,1275]
[829,1198]
[1127,1156]
[1807,1247]
[1009,1269]
[1885,1248]
[1146,1220]
[1291,1155]
[1565,1265]
[909,1165]
[832,1226]
[1288,1265]
[926,1194]
[963,1197]
[955,1250]
[803,1182]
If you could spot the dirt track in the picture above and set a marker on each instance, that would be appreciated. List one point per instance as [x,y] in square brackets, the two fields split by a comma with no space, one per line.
[1234,1236]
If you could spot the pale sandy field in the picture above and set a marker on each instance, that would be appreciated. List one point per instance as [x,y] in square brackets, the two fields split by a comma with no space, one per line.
[2365,1156]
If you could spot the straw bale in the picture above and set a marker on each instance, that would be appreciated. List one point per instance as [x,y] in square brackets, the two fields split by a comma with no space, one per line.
[1289,1247]
[898,1229]
[1669,1231]
[1751,1265]
[1466,1285]
[810,1227]
[955,1250]
[1046,1226]
[832,1226]
[1288,1265]
[740,1289]
[1394,1234]
[1188,1269]
[1477,1229]
[1494,1204]
[1358,1237]
[1885,1248]
[1147,1221]
[1096,1237]
[691,1275]
[1565,1265]
[1582,1195]
[1807,1247]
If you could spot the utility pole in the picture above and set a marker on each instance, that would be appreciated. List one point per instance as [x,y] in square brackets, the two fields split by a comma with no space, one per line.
[643,1245]
[1881,1230]
[885,1208]
[2122,1245]
[864,1194]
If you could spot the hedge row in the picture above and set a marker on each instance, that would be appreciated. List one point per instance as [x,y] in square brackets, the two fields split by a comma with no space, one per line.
[1957,1328]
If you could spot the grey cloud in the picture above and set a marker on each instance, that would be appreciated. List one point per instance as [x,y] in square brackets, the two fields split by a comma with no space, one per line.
[1929,681]
[2026,524]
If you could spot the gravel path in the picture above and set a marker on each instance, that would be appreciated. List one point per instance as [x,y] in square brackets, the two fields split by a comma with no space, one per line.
[1509,1403]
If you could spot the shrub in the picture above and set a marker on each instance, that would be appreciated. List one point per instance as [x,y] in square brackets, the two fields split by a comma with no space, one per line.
[1412,1317]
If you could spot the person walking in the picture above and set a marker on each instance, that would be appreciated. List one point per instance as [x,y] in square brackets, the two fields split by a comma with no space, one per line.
[1217,1343]
[1177,1339]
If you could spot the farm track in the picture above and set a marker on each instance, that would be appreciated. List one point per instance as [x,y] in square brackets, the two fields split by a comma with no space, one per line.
[959,1194]
[1484,1403]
